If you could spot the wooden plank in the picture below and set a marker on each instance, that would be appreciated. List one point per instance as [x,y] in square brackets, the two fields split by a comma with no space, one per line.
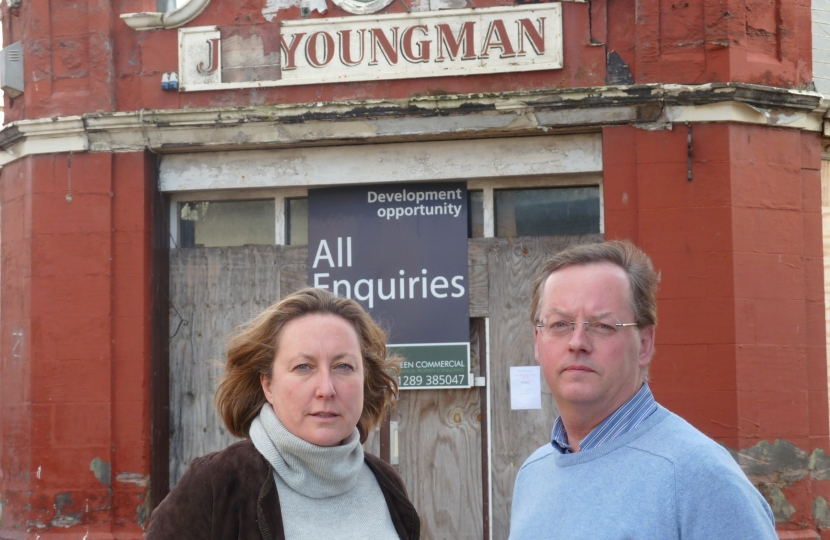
[440,456]
[215,290]
[440,460]
[478,349]
[293,269]
[513,265]
[479,281]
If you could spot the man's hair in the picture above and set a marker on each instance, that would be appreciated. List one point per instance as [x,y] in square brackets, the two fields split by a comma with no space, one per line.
[252,348]
[630,258]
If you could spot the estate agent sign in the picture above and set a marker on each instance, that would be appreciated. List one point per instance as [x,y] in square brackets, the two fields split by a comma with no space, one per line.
[401,251]
[397,46]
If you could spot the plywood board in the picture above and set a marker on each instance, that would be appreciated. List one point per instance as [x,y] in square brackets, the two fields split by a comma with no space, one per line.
[513,265]
[214,290]
[440,431]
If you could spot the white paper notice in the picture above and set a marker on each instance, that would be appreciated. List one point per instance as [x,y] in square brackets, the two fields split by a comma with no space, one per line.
[525,388]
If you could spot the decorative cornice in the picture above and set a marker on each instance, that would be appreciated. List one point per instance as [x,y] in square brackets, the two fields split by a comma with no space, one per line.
[171,19]
[415,119]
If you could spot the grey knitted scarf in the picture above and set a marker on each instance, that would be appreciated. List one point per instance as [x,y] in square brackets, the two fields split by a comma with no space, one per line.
[315,471]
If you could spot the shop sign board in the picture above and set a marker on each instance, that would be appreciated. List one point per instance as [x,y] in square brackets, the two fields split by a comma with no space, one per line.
[401,251]
[396,46]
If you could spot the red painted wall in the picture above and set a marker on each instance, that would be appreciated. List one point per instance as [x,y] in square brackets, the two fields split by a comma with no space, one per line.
[80,57]
[684,41]
[75,314]
[741,338]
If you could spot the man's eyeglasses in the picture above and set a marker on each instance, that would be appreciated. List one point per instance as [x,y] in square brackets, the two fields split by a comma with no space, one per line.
[600,329]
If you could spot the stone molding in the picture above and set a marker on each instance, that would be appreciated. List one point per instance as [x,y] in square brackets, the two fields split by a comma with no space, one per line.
[656,106]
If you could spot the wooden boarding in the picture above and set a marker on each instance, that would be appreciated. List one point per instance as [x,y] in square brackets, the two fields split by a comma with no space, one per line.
[442,457]
[214,290]
[513,264]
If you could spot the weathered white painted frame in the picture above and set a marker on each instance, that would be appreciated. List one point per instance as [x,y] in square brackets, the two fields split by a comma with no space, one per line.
[394,162]
[171,19]
[280,196]
[357,7]
[486,165]
[480,115]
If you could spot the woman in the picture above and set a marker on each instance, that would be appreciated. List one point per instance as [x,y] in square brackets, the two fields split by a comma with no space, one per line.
[305,383]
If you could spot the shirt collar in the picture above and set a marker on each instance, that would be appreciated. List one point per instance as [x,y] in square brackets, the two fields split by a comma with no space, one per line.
[639,407]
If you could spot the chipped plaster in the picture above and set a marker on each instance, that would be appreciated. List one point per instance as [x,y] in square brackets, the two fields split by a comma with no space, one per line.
[273,6]
[774,467]
[102,471]
[419,118]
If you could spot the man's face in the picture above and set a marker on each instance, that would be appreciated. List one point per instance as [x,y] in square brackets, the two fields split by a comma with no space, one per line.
[594,375]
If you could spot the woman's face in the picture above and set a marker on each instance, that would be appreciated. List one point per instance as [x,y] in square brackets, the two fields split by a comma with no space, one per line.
[316,384]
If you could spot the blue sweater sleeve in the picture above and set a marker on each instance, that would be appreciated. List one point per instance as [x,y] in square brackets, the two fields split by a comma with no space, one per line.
[716,500]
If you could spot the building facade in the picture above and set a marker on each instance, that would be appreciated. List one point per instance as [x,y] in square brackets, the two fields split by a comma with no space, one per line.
[154,194]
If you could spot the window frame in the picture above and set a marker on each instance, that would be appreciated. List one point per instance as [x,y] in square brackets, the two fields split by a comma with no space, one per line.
[487,186]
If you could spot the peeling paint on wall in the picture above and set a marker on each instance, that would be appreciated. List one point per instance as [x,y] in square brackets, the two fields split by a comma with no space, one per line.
[245,59]
[821,512]
[819,465]
[273,6]
[780,463]
[435,5]
[774,467]
[143,511]
[102,471]
[63,500]
[137,479]
[143,481]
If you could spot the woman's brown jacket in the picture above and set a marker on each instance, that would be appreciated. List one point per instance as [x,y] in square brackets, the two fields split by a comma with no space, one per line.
[232,495]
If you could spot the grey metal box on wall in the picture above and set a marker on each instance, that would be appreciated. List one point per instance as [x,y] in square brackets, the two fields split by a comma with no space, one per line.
[11,69]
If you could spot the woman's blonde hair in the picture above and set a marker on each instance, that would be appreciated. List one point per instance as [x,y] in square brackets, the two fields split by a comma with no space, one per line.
[252,348]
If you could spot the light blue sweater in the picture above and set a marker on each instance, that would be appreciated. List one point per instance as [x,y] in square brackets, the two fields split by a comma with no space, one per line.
[663,480]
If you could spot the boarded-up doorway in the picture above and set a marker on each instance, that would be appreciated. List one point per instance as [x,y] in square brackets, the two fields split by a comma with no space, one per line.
[457,454]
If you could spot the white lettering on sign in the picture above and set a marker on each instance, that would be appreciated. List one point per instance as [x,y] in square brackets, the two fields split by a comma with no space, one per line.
[402,46]
[397,212]
[364,289]
[200,55]
[323,253]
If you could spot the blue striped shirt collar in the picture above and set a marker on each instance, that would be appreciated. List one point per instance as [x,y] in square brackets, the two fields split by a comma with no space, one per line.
[620,422]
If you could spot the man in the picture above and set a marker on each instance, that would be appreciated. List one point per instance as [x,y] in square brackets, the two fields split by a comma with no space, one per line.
[619,465]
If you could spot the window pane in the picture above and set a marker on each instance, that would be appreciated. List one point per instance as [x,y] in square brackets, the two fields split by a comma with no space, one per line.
[227,223]
[297,222]
[549,211]
[475,214]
